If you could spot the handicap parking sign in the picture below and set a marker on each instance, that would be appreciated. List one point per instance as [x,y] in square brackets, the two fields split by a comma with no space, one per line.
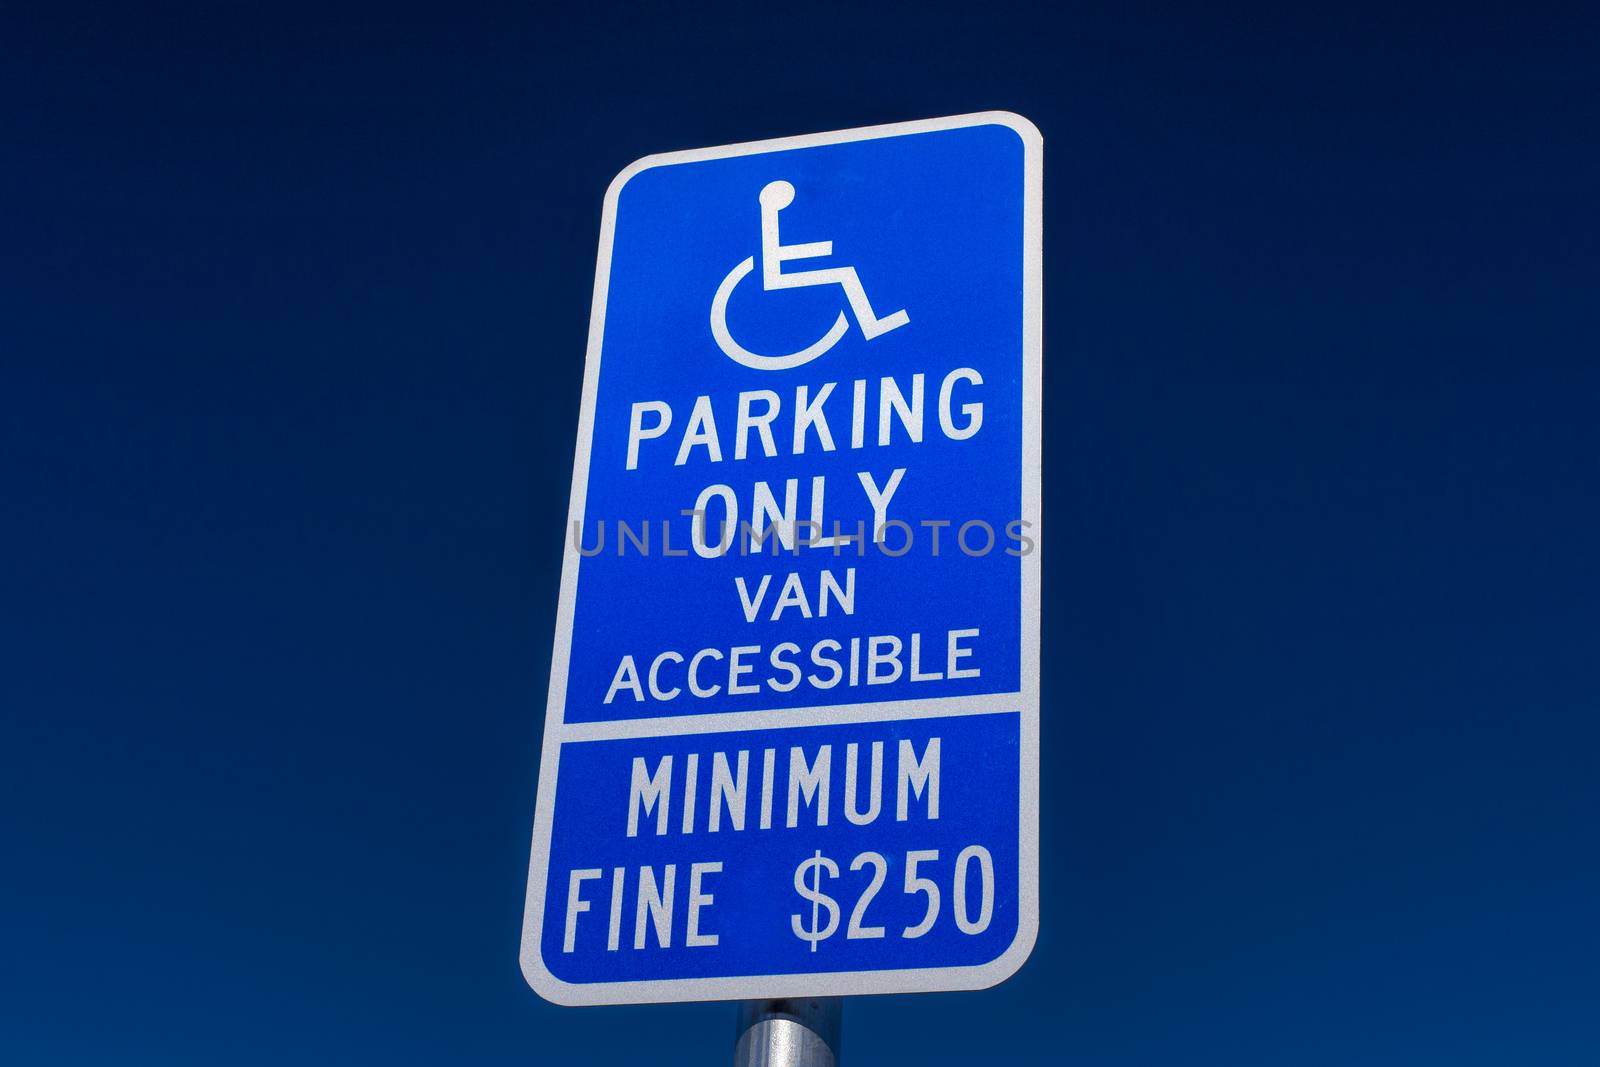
[791,737]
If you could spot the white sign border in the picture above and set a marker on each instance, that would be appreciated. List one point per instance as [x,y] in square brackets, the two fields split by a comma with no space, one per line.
[836,983]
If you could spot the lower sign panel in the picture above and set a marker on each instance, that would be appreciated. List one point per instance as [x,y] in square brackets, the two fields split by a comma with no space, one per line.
[788,855]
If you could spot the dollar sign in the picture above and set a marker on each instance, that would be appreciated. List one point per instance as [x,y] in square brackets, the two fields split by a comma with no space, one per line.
[818,898]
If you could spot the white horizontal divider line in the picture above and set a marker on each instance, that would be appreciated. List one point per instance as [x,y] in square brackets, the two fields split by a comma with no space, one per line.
[823,715]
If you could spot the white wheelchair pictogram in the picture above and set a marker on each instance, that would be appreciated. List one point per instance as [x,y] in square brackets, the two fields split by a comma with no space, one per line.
[774,197]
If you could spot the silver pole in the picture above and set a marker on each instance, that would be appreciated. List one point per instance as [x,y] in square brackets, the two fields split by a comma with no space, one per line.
[802,1032]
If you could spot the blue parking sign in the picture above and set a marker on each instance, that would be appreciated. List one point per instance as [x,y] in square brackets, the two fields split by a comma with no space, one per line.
[791,740]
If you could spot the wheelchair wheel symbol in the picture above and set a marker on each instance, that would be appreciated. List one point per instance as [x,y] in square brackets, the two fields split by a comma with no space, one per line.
[774,197]
[739,354]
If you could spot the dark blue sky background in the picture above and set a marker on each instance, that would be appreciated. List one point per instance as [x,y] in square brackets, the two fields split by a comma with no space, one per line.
[292,313]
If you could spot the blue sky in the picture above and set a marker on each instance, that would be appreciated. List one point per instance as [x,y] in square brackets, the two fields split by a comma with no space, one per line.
[294,305]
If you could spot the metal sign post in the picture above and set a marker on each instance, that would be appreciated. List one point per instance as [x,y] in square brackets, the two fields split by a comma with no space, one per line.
[801,1032]
[791,738]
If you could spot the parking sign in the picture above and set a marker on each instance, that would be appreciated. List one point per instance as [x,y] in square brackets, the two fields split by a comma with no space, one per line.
[791,740]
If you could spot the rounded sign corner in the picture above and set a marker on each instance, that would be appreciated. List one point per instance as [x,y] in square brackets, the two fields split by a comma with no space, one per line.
[630,172]
[1009,962]
[546,984]
[1021,125]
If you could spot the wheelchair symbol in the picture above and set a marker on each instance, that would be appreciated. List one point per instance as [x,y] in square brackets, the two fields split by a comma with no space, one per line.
[774,198]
